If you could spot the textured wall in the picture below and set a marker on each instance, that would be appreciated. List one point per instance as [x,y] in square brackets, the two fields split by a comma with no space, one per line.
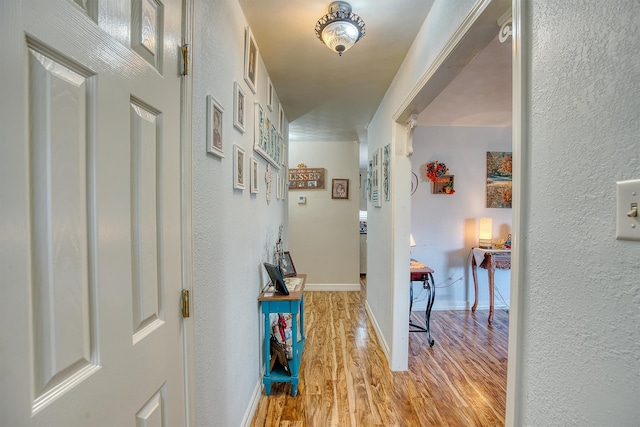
[323,233]
[580,321]
[445,227]
[234,231]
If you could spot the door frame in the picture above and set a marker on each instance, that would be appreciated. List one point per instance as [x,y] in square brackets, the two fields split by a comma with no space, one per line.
[440,73]
[186,220]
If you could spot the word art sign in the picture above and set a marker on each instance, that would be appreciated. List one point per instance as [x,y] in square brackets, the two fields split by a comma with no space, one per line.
[306,178]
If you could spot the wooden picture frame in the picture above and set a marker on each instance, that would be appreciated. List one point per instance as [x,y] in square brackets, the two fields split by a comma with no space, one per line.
[255,172]
[339,188]
[240,106]
[238,168]
[215,141]
[250,60]
[444,185]
[286,265]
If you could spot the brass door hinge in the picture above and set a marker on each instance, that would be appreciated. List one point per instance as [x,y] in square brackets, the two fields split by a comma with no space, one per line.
[185,303]
[185,59]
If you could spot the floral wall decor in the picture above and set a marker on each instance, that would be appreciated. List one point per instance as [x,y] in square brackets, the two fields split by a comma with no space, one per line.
[438,174]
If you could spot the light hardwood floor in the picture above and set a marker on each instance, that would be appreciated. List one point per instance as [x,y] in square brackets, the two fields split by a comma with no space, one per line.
[345,379]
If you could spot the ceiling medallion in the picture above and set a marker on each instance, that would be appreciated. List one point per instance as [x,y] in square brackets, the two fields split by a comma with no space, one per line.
[340,28]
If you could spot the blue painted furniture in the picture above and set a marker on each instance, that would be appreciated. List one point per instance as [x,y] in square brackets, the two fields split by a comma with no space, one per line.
[278,303]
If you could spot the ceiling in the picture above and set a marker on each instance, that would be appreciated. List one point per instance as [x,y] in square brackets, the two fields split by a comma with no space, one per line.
[327,97]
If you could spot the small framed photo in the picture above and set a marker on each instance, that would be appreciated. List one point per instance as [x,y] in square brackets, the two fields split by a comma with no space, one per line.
[339,188]
[286,265]
[280,120]
[239,102]
[254,175]
[269,94]
[250,60]
[238,168]
[214,127]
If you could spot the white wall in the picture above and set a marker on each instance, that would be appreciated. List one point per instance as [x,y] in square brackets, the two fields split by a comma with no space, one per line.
[580,340]
[234,231]
[445,227]
[324,236]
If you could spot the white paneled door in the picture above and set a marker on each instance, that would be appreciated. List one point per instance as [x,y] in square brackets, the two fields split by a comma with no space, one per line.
[90,256]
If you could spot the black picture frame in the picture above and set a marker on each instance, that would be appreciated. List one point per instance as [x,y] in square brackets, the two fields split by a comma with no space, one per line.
[286,265]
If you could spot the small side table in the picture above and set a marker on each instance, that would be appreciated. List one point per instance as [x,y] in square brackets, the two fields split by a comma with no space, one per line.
[424,274]
[489,259]
[278,303]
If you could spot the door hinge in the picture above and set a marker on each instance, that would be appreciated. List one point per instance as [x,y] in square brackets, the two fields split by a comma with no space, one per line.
[185,303]
[185,59]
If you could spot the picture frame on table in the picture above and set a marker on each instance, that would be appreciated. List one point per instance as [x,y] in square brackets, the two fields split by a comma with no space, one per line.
[238,168]
[215,142]
[250,60]
[240,106]
[254,175]
[286,265]
[339,188]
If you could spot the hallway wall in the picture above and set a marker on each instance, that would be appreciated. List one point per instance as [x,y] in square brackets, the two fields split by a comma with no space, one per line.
[324,232]
[234,231]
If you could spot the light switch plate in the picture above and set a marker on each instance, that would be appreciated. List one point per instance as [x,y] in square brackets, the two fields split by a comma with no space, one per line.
[627,193]
[302,200]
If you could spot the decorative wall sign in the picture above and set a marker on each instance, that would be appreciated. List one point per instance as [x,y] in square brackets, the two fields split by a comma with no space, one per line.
[386,172]
[443,185]
[266,140]
[306,178]
[499,179]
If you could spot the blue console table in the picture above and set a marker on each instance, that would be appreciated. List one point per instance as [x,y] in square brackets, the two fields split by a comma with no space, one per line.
[278,303]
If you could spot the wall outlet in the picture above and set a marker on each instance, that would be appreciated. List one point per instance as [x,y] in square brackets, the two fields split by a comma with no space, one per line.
[627,215]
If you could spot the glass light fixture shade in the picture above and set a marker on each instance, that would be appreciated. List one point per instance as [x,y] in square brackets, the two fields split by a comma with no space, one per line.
[339,36]
[486,233]
[340,29]
[412,243]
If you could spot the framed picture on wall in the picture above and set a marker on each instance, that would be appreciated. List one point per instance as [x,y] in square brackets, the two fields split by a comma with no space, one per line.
[250,60]
[238,168]
[269,94]
[339,188]
[214,127]
[239,103]
[386,172]
[254,176]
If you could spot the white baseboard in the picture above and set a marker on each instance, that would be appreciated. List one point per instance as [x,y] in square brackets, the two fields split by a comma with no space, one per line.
[253,405]
[376,328]
[332,287]
[453,305]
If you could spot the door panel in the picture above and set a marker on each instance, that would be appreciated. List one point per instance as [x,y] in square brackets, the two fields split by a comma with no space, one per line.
[91,213]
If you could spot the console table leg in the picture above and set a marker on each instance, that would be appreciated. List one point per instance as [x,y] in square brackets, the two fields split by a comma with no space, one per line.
[431,296]
[490,272]
[474,271]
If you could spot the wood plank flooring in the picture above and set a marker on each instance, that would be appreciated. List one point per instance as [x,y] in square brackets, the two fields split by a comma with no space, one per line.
[345,379]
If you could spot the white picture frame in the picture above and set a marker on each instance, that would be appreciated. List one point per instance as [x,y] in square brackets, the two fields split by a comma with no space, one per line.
[269,94]
[251,52]
[239,175]
[255,173]
[215,136]
[239,107]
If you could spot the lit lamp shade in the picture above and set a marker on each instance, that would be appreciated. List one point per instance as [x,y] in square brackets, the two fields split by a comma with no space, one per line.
[485,235]
[412,242]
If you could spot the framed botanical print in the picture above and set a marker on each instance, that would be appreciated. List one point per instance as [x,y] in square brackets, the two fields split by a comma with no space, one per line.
[254,175]
[239,104]
[386,172]
[214,127]
[250,60]
[238,168]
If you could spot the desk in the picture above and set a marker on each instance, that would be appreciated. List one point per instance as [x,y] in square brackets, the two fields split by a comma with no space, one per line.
[422,273]
[278,303]
[489,259]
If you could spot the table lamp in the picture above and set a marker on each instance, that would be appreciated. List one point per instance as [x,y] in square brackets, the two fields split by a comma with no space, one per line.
[485,235]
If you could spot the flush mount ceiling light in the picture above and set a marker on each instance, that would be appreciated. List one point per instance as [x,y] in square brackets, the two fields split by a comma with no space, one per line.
[340,28]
